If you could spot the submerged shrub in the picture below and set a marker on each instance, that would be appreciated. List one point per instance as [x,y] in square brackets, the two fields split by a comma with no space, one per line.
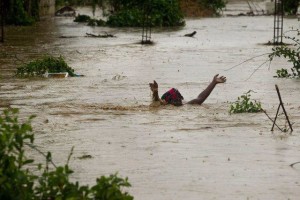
[125,18]
[131,13]
[282,73]
[20,12]
[160,13]
[215,5]
[289,52]
[89,20]
[291,6]
[245,105]
[96,22]
[82,18]
[41,66]
[49,181]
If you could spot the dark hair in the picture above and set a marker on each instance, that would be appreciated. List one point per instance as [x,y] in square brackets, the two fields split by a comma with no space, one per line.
[173,97]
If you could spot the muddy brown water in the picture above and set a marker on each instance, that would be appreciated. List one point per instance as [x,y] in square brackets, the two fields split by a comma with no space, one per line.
[188,152]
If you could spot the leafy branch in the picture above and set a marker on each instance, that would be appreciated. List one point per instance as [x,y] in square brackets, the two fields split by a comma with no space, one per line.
[289,52]
[17,181]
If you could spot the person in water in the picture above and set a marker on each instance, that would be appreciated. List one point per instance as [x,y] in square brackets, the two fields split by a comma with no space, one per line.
[174,97]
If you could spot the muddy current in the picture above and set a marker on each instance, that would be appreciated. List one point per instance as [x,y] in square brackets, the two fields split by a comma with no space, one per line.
[188,152]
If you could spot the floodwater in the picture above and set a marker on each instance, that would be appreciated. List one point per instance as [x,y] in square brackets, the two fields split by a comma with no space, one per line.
[168,153]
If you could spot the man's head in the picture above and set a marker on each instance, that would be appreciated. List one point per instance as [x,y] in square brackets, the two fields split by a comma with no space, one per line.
[173,97]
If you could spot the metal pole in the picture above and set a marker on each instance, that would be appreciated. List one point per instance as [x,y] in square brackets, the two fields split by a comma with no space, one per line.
[275,13]
[277,20]
[146,32]
[282,13]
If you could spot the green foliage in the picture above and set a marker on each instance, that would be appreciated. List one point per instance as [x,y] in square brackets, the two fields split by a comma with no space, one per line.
[130,13]
[82,18]
[282,73]
[41,66]
[291,6]
[126,18]
[245,105]
[109,188]
[215,5]
[60,3]
[20,12]
[89,20]
[95,22]
[291,53]
[17,180]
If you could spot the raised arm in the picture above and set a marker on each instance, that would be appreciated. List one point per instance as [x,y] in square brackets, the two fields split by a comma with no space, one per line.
[154,89]
[203,95]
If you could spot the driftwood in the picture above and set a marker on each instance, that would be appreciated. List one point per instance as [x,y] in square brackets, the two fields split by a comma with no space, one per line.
[190,34]
[67,36]
[99,36]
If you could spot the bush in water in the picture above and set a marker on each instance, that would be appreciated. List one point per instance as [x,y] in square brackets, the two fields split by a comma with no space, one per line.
[41,66]
[20,12]
[131,13]
[82,18]
[291,6]
[214,5]
[245,105]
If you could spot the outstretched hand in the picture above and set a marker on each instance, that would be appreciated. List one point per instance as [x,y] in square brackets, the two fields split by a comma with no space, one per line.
[153,86]
[221,79]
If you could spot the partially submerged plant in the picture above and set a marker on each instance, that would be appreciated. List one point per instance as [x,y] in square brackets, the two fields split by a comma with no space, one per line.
[90,21]
[282,73]
[47,64]
[82,18]
[216,5]
[96,22]
[245,105]
[132,13]
[292,54]
[291,6]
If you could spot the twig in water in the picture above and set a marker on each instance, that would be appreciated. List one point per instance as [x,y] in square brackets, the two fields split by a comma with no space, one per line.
[257,69]
[269,65]
[292,165]
[69,157]
[35,148]
[272,120]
